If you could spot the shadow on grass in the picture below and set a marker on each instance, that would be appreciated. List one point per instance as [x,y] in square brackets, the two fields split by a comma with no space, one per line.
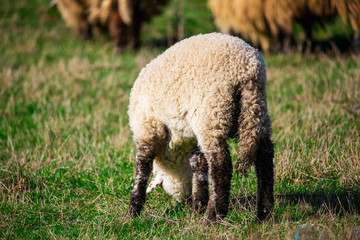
[344,202]
[340,203]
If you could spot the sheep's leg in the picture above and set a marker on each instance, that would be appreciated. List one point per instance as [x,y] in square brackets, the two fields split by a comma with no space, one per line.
[74,14]
[265,175]
[134,34]
[356,43]
[287,41]
[309,38]
[86,32]
[200,194]
[220,168]
[144,161]
[124,36]
[117,30]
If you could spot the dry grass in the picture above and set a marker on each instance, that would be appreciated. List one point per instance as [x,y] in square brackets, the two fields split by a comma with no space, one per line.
[322,116]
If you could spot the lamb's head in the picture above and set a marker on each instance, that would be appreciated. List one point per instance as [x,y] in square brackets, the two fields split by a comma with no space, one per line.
[174,181]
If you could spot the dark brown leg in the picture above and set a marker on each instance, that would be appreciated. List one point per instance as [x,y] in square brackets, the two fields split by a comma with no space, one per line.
[144,160]
[76,16]
[356,43]
[265,175]
[134,35]
[200,193]
[118,31]
[309,38]
[220,168]
[125,37]
[86,32]
[287,41]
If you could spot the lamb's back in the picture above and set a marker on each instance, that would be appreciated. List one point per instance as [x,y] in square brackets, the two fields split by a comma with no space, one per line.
[194,76]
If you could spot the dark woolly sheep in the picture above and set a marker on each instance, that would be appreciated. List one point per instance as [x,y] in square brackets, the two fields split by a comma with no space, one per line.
[123,18]
[183,107]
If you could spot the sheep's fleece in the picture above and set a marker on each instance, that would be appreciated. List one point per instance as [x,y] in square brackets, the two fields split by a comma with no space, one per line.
[184,98]
[270,23]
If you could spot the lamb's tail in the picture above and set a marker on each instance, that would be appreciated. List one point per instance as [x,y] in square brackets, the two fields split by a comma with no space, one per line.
[254,124]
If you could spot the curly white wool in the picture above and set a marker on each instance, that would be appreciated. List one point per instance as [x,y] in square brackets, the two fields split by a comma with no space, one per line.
[185,96]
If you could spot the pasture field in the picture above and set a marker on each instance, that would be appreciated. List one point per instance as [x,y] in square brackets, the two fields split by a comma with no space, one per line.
[67,158]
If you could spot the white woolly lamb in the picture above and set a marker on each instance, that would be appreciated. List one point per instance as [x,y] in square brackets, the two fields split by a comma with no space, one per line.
[183,107]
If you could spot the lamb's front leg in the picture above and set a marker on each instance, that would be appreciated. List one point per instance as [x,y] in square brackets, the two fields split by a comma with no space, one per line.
[144,161]
[200,194]
[220,169]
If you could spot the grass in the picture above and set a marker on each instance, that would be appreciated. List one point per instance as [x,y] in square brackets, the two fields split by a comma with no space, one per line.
[67,158]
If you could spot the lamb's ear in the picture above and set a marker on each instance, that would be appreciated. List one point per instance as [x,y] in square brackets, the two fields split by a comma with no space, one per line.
[125,8]
[155,181]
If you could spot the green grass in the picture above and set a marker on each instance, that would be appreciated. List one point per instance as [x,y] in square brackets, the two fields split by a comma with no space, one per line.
[67,158]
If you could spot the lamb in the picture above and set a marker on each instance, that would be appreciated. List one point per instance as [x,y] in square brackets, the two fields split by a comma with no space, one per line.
[269,24]
[123,18]
[183,107]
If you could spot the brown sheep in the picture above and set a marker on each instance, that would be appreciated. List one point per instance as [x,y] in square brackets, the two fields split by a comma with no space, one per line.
[244,18]
[123,18]
[270,23]
[285,14]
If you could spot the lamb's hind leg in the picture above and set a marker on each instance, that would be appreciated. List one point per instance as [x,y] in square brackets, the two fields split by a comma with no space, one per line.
[200,194]
[220,169]
[265,175]
[144,161]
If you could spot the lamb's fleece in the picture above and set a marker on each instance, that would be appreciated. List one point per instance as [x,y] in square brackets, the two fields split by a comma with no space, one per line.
[269,23]
[123,18]
[205,88]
